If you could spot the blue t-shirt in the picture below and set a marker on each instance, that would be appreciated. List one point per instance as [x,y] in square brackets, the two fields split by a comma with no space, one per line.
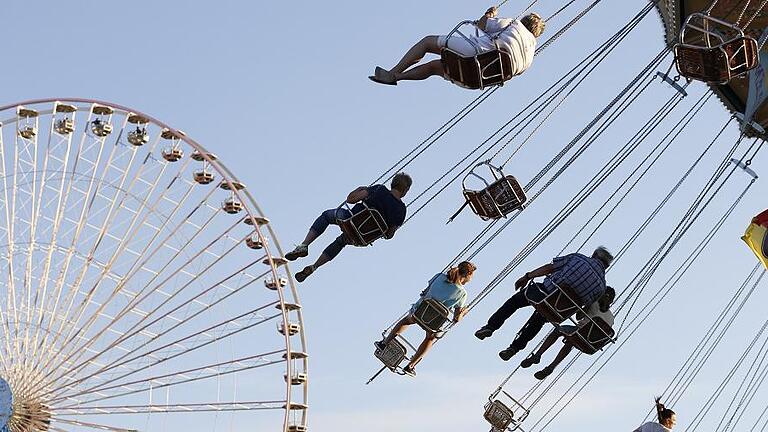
[380,198]
[451,295]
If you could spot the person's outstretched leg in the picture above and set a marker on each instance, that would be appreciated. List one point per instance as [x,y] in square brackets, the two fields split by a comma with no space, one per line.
[328,254]
[417,52]
[564,351]
[399,328]
[535,358]
[505,311]
[328,217]
[425,346]
[531,328]
[422,72]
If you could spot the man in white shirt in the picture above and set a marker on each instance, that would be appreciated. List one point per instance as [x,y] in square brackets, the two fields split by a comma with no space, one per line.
[599,309]
[518,38]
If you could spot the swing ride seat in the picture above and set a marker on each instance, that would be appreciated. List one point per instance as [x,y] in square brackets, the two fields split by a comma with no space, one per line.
[717,64]
[592,336]
[430,315]
[477,72]
[503,416]
[556,306]
[364,227]
[498,199]
[392,354]
[713,50]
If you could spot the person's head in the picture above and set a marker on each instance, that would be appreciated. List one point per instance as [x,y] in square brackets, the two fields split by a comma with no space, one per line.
[667,417]
[401,182]
[534,23]
[462,273]
[606,299]
[602,254]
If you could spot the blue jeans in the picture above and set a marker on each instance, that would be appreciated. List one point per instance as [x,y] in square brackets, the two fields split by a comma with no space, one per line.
[331,217]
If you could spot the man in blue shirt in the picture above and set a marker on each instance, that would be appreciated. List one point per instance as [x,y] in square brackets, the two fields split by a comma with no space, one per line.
[387,202]
[585,275]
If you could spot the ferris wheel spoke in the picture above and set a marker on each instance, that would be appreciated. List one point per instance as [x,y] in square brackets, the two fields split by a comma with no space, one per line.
[175,408]
[192,277]
[169,316]
[26,164]
[127,155]
[54,164]
[85,166]
[177,348]
[130,233]
[157,382]
[88,425]
[157,230]
[67,185]
[9,311]
[129,308]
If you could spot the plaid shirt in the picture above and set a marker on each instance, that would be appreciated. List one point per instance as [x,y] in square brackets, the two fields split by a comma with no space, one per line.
[584,274]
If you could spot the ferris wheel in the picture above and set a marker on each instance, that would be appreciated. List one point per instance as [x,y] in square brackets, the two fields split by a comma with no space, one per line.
[143,287]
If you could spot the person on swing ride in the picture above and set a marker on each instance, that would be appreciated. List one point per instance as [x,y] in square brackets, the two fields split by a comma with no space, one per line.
[599,309]
[448,289]
[388,202]
[585,275]
[667,420]
[516,37]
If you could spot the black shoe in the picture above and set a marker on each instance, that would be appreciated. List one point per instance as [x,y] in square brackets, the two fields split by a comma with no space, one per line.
[299,252]
[409,371]
[530,361]
[380,345]
[508,353]
[304,274]
[483,333]
[540,375]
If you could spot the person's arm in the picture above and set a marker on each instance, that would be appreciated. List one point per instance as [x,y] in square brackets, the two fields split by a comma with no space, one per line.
[458,313]
[490,13]
[541,271]
[357,195]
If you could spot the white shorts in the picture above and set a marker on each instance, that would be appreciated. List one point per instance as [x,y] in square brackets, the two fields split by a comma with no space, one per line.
[459,44]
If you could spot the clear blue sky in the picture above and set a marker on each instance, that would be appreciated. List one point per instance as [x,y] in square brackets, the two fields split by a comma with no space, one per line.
[280,92]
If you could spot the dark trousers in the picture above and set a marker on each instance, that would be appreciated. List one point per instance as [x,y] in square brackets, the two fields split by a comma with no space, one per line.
[531,328]
[331,217]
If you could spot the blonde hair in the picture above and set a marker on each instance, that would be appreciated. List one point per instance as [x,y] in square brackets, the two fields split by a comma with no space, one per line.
[534,23]
[464,269]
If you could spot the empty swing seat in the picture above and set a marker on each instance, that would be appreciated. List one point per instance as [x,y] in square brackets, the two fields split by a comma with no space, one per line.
[364,227]
[392,354]
[503,416]
[556,306]
[718,64]
[477,72]
[713,50]
[592,336]
[430,315]
[498,199]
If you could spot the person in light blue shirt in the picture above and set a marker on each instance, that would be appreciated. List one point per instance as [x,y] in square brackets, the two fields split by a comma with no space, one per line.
[448,289]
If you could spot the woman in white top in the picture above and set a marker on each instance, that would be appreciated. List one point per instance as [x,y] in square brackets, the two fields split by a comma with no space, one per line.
[518,38]
[667,420]
[600,309]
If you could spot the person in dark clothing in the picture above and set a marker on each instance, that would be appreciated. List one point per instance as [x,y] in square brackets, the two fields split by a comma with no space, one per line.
[388,202]
[585,275]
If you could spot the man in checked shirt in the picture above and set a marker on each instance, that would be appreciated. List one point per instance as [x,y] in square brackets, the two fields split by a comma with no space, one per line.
[585,275]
